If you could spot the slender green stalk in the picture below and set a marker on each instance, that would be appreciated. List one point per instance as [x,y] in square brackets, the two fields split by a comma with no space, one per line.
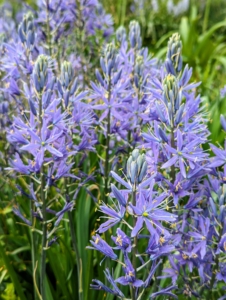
[80,33]
[78,259]
[75,248]
[107,157]
[172,169]
[132,290]
[123,11]
[33,254]
[206,16]
[215,269]
[49,42]
[106,167]
[134,223]
[32,232]
[44,225]
[132,293]
[44,238]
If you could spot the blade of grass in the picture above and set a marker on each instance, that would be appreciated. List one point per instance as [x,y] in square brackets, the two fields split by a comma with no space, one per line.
[12,273]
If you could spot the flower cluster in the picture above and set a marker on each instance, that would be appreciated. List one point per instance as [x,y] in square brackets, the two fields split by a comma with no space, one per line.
[137,129]
[170,215]
[141,209]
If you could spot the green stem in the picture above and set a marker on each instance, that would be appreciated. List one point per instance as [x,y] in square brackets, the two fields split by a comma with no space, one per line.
[206,16]
[48,28]
[132,293]
[78,259]
[123,11]
[135,243]
[44,239]
[81,40]
[33,255]
[135,238]
[106,167]
[44,225]
[75,248]
[172,169]
[214,273]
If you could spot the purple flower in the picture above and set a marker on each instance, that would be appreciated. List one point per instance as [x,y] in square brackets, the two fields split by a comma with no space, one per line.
[43,143]
[222,244]
[183,153]
[122,241]
[19,214]
[172,272]
[163,246]
[178,189]
[100,286]
[115,216]
[129,278]
[166,292]
[223,122]
[220,158]
[118,195]
[100,245]
[202,237]
[149,211]
[67,207]
[221,275]
[223,92]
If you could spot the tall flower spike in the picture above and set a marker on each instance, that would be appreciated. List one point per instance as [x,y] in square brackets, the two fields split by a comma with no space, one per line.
[174,61]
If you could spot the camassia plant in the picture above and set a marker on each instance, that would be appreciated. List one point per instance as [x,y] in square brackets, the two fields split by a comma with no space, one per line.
[132,140]
[168,218]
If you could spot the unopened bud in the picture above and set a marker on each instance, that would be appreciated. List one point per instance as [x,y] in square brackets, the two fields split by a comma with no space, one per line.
[174,61]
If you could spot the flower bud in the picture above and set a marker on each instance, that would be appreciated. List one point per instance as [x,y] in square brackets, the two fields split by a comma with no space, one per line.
[32,107]
[109,61]
[138,70]
[171,93]
[99,77]
[67,74]
[121,34]
[134,34]
[26,31]
[136,167]
[40,72]
[174,57]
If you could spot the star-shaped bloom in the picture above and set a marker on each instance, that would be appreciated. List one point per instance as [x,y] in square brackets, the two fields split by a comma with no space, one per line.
[100,245]
[115,216]
[129,278]
[150,212]
[183,153]
[220,158]
[43,142]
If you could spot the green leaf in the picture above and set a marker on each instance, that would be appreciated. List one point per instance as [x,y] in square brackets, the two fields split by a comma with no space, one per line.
[12,273]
